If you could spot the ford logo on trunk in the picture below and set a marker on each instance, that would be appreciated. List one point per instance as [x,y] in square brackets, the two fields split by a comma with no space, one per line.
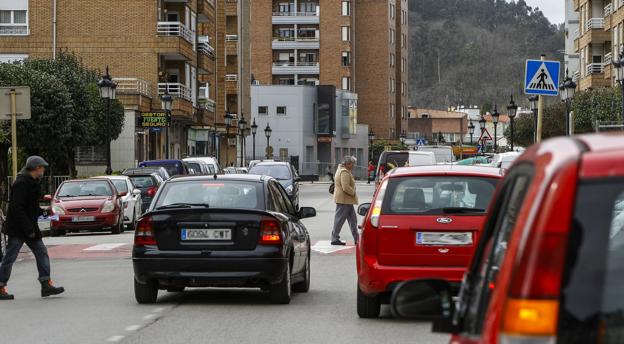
[444,220]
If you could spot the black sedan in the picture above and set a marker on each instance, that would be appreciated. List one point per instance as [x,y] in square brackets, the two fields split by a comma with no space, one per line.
[222,231]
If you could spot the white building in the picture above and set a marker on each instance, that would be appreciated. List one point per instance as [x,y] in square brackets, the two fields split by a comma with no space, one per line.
[572,28]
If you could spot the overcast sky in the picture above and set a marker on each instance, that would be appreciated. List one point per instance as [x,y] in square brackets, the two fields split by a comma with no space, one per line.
[554,10]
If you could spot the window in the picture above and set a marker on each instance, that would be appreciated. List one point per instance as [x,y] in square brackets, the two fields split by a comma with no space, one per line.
[403,40]
[392,85]
[13,22]
[403,17]
[403,88]
[216,194]
[281,111]
[392,59]
[346,83]
[392,36]
[346,8]
[392,11]
[346,58]
[263,110]
[346,33]
[403,64]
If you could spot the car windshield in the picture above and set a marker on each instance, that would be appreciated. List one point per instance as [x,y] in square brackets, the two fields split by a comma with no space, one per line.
[142,181]
[85,188]
[213,193]
[120,185]
[279,172]
[172,168]
[438,195]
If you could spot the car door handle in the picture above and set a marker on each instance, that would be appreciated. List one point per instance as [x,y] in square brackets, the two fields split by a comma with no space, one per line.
[390,227]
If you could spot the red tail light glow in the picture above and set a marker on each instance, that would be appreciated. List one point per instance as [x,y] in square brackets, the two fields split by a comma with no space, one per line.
[270,232]
[151,192]
[144,234]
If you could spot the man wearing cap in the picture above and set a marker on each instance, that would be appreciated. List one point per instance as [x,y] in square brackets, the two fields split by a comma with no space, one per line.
[22,227]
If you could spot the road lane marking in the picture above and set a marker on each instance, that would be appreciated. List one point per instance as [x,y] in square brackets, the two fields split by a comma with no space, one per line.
[104,247]
[150,316]
[325,247]
[158,310]
[115,339]
[132,328]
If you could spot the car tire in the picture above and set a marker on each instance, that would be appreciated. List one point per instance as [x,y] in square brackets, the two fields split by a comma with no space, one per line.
[132,225]
[280,292]
[367,306]
[145,293]
[118,229]
[304,286]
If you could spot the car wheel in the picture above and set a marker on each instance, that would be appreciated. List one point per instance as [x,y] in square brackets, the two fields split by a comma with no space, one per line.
[145,293]
[132,225]
[280,293]
[304,286]
[117,229]
[367,306]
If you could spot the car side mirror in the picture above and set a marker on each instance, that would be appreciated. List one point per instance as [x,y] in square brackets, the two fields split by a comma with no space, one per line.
[297,179]
[306,212]
[136,192]
[363,209]
[122,194]
[47,198]
[425,300]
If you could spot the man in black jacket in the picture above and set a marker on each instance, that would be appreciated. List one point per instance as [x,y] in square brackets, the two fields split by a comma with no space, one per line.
[22,227]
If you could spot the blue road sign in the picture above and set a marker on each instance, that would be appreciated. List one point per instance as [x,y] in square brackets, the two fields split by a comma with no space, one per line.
[420,142]
[542,77]
[480,149]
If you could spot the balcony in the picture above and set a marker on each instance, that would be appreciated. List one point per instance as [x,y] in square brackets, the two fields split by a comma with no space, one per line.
[287,68]
[608,58]
[231,77]
[182,104]
[205,10]
[134,93]
[296,17]
[594,68]
[175,41]
[296,42]
[203,98]
[204,46]
[594,33]
[178,29]
[608,10]
[231,7]
[576,76]
[593,81]
[231,84]
[594,24]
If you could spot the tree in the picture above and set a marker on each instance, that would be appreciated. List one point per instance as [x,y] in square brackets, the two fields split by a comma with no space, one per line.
[595,105]
[552,125]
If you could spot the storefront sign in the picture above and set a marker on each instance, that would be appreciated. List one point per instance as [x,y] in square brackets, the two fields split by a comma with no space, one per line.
[154,120]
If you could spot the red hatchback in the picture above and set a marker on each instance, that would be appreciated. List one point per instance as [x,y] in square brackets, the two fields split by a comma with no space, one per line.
[423,223]
[550,264]
[86,205]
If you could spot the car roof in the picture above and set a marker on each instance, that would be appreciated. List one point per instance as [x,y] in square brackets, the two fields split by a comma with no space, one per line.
[446,169]
[603,142]
[230,177]
[272,163]
[94,179]
[173,161]
[111,177]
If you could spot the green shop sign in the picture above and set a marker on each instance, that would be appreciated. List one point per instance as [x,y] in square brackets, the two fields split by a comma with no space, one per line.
[154,120]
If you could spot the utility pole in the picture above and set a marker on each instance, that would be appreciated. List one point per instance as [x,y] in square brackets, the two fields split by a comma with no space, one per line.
[540,112]
[13,94]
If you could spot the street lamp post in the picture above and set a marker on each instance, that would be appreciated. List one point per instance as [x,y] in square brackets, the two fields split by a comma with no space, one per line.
[254,130]
[228,123]
[618,65]
[107,91]
[166,102]
[402,137]
[533,100]
[471,130]
[512,110]
[495,117]
[371,138]
[566,91]
[482,124]
[242,126]
[267,133]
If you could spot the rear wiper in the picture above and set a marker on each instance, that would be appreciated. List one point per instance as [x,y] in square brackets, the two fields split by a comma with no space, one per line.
[183,205]
[460,210]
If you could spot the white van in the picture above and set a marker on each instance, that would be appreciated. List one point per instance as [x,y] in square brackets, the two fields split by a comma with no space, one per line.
[443,154]
[392,159]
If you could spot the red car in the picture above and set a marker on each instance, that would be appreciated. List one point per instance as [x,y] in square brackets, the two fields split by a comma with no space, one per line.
[423,223]
[86,205]
[550,264]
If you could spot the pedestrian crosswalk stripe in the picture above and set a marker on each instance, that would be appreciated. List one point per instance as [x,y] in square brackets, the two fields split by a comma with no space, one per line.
[104,247]
[325,247]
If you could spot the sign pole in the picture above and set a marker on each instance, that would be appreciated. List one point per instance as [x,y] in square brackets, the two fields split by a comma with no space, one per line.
[13,94]
[540,111]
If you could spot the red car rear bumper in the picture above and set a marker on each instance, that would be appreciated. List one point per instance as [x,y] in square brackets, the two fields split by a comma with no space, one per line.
[66,222]
[374,278]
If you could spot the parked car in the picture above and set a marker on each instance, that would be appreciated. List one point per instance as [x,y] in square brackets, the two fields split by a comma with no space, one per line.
[148,184]
[504,160]
[285,175]
[197,167]
[161,171]
[174,167]
[131,202]
[210,162]
[548,268]
[424,222]
[443,154]
[389,160]
[229,231]
[236,170]
[253,163]
[86,205]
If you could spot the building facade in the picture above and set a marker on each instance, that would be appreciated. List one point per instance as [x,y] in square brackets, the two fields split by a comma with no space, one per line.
[184,48]
[356,46]
[436,126]
[572,24]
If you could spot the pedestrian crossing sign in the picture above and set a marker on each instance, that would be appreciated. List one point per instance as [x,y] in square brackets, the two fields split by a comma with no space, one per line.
[542,77]
[420,142]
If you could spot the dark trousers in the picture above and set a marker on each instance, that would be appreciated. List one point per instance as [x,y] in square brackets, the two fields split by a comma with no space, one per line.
[345,212]
[37,247]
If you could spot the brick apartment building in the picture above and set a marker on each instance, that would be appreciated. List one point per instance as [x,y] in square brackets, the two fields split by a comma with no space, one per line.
[429,124]
[358,46]
[193,49]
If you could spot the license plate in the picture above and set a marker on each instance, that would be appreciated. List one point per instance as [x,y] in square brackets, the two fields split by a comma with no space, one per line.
[190,234]
[83,218]
[443,238]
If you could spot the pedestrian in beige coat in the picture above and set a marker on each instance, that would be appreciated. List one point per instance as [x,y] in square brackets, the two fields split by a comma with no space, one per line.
[345,196]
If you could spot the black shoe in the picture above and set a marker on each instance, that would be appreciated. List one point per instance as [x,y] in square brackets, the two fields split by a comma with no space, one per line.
[48,289]
[338,243]
[4,295]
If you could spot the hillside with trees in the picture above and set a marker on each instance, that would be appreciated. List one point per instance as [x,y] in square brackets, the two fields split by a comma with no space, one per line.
[473,52]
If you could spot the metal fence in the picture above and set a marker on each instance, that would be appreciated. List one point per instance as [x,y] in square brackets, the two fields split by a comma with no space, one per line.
[603,126]
[48,184]
[322,170]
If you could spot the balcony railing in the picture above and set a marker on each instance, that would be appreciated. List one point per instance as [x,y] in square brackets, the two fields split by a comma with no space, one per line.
[576,76]
[577,33]
[231,38]
[595,68]
[133,86]
[608,10]
[175,89]
[608,58]
[231,77]
[295,64]
[595,23]
[295,39]
[295,14]
[175,29]
[204,47]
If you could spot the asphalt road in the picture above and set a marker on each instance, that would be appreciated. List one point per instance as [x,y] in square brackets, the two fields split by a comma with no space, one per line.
[99,305]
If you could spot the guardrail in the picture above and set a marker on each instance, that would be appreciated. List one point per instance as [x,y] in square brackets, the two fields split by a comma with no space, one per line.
[175,29]
[175,89]
[133,86]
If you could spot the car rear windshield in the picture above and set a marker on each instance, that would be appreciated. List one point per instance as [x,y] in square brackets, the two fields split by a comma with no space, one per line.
[172,168]
[142,182]
[120,185]
[592,293]
[195,166]
[85,188]
[214,194]
[394,160]
[437,195]
[279,172]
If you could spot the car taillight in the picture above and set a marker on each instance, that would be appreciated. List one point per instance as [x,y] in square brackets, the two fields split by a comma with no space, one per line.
[376,212]
[532,305]
[144,234]
[270,232]
[151,192]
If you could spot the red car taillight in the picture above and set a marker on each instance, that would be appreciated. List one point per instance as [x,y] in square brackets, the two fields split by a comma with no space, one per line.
[151,192]
[144,234]
[270,232]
